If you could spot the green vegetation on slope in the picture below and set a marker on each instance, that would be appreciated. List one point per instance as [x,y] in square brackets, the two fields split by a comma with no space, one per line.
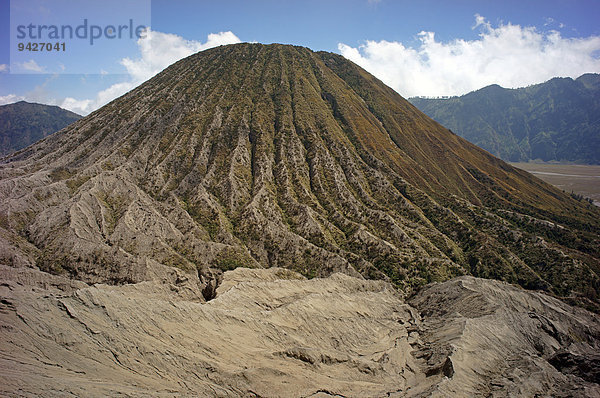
[553,121]
[23,123]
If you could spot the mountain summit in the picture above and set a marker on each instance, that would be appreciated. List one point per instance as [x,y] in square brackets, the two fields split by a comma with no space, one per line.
[277,156]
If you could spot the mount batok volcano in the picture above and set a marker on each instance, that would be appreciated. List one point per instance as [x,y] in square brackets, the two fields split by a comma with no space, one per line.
[275,156]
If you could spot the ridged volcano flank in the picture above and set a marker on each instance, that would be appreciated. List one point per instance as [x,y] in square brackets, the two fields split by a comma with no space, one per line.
[254,155]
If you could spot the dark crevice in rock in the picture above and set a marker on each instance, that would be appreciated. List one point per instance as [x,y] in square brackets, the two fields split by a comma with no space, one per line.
[444,368]
[585,366]
[211,279]
[301,355]
[327,392]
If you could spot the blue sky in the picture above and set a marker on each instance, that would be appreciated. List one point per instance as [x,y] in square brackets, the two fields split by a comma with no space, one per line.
[427,47]
[321,25]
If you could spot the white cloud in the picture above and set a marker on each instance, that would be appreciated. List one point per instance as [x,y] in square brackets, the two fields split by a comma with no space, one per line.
[157,51]
[10,98]
[553,22]
[3,68]
[31,66]
[39,94]
[479,21]
[80,107]
[509,55]
[85,106]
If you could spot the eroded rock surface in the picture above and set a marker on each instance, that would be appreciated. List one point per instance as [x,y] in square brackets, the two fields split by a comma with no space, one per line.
[273,333]
[503,341]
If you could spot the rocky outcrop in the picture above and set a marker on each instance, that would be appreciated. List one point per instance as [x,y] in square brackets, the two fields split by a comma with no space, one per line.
[502,341]
[273,333]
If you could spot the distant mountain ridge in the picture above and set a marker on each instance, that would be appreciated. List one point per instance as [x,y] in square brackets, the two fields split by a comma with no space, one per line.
[24,123]
[552,121]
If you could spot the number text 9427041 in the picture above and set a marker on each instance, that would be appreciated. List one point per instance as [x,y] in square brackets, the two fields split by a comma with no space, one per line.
[41,46]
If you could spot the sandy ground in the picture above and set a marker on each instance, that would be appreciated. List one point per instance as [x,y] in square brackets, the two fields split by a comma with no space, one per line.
[581,179]
[272,333]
